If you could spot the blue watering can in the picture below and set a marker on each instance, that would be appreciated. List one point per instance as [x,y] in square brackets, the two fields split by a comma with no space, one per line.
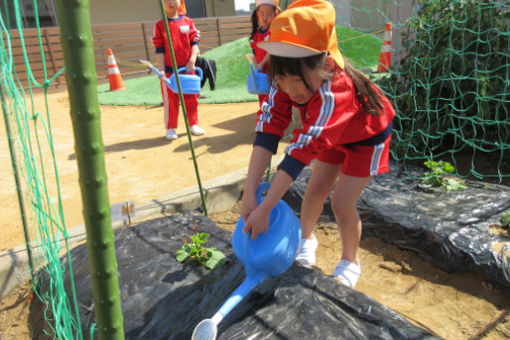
[190,83]
[270,254]
[257,82]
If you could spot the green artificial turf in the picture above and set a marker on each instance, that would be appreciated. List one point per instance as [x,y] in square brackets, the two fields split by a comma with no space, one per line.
[360,49]
[232,70]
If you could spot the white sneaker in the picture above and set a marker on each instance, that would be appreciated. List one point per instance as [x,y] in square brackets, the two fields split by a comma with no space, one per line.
[306,251]
[347,273]
[197,130]
[170,134]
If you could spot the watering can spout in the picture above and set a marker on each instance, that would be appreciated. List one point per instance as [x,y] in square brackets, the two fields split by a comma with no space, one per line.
[248,284]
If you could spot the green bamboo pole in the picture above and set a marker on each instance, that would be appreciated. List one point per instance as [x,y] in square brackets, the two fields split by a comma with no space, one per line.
[183,105]
[81,78]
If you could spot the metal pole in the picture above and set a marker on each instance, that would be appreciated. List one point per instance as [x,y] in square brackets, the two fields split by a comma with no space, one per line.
[81,78]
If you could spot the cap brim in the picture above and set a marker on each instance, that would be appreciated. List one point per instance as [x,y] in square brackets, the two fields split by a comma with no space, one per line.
[289,50]
[284,49]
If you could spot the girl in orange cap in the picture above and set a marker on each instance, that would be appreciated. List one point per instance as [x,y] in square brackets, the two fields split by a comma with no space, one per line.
[347,124]
[261,19]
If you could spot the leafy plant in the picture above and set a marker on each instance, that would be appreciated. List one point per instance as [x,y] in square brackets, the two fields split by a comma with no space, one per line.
[196,254]
[438,176]
[505,219]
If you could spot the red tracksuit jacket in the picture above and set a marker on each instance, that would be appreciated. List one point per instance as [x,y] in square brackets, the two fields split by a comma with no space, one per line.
[332,118]
[184,35]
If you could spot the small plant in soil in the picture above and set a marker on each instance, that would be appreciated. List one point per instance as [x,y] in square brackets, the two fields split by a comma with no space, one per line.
[196,254]
[505,219]
[439,176]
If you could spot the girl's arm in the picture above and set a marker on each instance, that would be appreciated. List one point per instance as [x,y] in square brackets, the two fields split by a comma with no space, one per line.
[260,66]
[260,158]
[159,45]
[194,39]
[190,65]
[160,59]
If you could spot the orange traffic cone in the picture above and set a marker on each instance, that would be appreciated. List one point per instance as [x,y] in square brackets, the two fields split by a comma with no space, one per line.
[385,56]
[116,82]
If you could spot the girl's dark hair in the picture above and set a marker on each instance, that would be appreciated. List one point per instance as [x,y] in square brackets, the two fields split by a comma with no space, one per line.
[368,94]
[254,24]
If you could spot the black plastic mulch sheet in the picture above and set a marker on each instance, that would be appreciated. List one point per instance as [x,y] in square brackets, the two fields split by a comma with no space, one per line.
[164,299]
[449,229]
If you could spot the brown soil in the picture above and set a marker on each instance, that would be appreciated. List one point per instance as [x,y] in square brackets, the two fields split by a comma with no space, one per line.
[142,165]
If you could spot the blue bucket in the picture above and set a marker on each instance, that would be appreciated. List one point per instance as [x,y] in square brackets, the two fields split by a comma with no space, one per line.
[271,253]
[257,82]
[190,83]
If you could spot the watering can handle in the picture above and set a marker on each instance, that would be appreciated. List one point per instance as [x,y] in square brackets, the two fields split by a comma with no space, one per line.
[254,70]
[261,190]
[198,69]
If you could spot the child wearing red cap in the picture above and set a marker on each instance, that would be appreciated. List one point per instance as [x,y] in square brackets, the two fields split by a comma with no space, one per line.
[347,124]
[261,19]
[185,38]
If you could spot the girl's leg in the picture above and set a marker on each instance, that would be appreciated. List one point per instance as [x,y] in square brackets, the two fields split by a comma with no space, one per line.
[191,101]
[172,113]
[343,203]
[319,186]
[166,104]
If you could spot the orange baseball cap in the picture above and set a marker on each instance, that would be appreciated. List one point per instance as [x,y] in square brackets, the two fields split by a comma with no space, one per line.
[305,28]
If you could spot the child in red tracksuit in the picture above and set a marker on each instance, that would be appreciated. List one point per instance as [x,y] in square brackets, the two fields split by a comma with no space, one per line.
[261,19]
[347,124]
[185,38]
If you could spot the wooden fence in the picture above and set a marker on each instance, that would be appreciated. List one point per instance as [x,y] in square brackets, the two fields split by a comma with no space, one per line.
[129,42]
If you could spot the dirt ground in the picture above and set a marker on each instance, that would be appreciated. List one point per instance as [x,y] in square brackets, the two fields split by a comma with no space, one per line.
[142,165]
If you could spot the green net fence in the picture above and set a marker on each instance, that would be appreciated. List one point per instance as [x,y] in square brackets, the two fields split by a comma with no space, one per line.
[31,146]
[449,82]
[451,87]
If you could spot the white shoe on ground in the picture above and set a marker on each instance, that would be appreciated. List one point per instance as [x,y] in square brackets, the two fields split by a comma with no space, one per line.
[347,273]
[306,251]
[197,130]
[170,134]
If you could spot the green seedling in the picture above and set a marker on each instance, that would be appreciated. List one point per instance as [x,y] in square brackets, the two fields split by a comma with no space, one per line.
[439,176]
[505,219]
[196,254]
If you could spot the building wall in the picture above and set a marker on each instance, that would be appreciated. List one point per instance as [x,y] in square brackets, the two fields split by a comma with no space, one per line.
[129,11]
[219,8]
[123,11]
